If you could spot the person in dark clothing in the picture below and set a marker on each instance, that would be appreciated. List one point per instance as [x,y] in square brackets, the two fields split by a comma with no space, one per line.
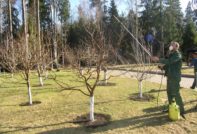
[194,63]
[172,67]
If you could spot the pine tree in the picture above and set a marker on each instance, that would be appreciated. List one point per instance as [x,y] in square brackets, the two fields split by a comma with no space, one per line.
[173,22]
[14,15]
[189,12]
[113,12]
[147,17]
[45,15]
[189,37]
[113,26]
[63,9]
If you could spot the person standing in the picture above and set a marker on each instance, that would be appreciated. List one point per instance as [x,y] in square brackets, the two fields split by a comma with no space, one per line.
[194,63]
[172,67]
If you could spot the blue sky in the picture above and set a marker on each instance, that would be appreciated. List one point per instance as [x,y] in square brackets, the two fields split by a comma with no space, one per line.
[122,5]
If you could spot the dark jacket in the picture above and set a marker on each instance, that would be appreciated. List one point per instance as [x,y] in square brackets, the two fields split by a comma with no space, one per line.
[173,65]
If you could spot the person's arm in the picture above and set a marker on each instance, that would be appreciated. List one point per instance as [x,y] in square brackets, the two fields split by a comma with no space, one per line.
[171,60]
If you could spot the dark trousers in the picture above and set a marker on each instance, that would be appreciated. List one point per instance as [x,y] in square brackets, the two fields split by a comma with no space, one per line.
[173,87]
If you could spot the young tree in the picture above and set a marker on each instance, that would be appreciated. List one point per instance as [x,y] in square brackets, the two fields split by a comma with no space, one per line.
[25,54]
[94,55]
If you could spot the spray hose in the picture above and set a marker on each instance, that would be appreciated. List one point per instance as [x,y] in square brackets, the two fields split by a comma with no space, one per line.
[161,83]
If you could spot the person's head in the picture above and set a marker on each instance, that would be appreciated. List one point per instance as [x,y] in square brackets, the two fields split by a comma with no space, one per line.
[174,46]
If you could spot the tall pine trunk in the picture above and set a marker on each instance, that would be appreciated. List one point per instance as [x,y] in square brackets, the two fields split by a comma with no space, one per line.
[11,38]
[54,14]
[39,66]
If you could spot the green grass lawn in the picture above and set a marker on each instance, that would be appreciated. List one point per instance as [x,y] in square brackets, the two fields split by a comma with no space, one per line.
[59,107]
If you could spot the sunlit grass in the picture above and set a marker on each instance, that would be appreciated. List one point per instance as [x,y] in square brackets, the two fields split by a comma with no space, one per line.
[59,107]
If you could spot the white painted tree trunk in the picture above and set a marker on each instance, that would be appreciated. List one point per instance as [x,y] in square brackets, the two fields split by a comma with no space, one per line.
[81,71]
[140,89]
[92,108]
[46,74]
[41,81]
[29,92]
[105,77]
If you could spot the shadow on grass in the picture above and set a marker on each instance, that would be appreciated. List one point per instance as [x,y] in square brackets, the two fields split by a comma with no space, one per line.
[27,103]
[21,128]
[108,84]
[164,107]
[146,97]
[41,86]
[155,119]
[100,120]
[8,105]
[156,90]
[154,109]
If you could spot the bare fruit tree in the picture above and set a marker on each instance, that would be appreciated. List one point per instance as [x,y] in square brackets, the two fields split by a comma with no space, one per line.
[88,61]
[141,65]
[93,56]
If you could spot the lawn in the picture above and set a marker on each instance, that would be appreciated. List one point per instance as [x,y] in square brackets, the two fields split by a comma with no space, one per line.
[60,107]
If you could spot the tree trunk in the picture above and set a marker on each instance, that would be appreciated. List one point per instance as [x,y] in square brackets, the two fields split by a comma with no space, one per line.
[46,74]
[40,77]
[62,41]
[29,89]
[25,28]
[54,14]
[92,108]
[105,76]
[11,37]
[41,81]
[140,89]
[27,66]
[39,42]
[81,71]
